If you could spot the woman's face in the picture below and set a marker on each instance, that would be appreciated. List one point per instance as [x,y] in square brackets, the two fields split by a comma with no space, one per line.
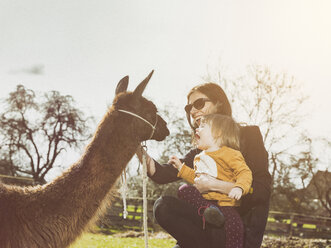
[208,108]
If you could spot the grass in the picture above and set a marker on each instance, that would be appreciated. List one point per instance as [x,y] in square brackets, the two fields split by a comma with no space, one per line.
[89,240]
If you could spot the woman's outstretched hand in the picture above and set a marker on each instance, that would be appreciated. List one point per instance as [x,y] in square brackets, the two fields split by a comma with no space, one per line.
[150,162]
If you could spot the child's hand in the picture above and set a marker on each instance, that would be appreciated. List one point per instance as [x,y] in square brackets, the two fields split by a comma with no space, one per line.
[175,162]
[236,193]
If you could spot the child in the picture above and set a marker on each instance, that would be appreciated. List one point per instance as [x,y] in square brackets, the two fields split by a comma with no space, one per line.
[218,138]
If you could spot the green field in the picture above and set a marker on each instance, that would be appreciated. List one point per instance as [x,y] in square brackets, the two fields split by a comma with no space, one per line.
[100,241]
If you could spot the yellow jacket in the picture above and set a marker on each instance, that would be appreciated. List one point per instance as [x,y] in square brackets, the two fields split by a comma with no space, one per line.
[225,164]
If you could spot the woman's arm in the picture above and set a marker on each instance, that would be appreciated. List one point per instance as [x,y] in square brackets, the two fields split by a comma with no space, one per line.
[167,173]
[205,183]
[164,173]
[159,173]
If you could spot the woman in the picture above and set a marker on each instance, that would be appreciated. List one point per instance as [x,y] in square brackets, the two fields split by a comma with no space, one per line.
[179,218]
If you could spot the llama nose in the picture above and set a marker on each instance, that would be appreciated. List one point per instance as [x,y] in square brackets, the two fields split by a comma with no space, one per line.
[165,127]
[167,131]
[162,130]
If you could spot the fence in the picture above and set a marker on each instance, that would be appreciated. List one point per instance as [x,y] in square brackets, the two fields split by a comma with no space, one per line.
[279,223]
[16,180]
[113,219]
[292,224]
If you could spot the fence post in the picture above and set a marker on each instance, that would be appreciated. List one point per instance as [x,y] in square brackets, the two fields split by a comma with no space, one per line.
[291,225]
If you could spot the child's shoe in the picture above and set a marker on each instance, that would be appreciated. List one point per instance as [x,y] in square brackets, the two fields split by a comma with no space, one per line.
[214,216]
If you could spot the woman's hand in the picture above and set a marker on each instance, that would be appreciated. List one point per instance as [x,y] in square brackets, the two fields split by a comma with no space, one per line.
[149,161]
[175,162]
[205,183]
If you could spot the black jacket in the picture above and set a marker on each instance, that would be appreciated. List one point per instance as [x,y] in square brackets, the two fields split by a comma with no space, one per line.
[256,157]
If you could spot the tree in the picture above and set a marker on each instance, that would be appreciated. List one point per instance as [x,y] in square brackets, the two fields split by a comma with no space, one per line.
[34,131]
[315,193]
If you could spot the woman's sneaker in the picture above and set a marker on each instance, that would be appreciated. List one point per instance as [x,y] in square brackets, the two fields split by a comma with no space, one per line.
[214,216]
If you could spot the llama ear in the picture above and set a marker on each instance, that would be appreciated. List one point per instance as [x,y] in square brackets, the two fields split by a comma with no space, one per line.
[122,85]
[141,87]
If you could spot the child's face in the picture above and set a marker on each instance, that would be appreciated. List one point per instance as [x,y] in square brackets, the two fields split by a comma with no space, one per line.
[204,137]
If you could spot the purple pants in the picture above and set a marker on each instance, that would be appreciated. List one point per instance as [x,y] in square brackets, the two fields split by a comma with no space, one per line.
[234,228]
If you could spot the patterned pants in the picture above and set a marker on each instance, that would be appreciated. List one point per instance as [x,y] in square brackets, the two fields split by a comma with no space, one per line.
[234,228]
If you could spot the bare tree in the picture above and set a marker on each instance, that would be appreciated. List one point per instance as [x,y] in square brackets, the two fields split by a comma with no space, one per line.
[315,195]
[35,131]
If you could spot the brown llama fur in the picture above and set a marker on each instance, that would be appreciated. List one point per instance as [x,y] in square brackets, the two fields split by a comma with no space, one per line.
[55,214]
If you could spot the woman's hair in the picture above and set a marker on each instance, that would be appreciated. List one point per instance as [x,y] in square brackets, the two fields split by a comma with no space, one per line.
[216,94]
[224,130]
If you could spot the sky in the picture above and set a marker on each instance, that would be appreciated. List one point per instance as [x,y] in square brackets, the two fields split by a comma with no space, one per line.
[83,48]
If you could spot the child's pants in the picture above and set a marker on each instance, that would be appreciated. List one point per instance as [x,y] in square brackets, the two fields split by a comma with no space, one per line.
[234,228]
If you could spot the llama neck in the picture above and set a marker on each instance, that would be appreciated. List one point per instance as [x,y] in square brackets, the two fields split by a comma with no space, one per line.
[78,193]
[111,149]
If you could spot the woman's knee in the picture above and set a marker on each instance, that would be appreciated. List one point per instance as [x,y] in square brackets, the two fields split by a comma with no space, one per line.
[162,208]
[186,190]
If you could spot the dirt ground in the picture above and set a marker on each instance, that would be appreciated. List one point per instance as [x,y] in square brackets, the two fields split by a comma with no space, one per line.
[294,242]
[268,241]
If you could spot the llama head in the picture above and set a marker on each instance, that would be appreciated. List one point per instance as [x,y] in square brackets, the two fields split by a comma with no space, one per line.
[141,112]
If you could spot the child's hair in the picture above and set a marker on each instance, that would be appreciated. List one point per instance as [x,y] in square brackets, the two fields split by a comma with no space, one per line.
[224,130]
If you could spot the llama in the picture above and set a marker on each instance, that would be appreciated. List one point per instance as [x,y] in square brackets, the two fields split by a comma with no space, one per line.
[55,214]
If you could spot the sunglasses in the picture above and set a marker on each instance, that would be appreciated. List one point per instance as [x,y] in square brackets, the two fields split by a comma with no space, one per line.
[197,104]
